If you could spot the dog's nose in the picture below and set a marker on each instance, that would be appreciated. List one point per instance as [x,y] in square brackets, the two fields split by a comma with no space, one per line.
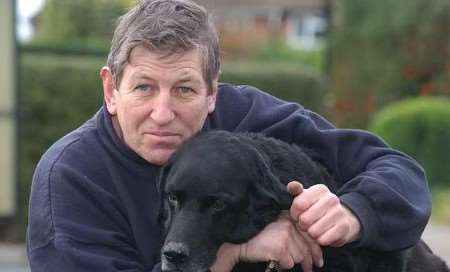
[175,253]
[175,257]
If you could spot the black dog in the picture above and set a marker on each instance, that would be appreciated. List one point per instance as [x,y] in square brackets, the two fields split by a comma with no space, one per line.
[224,187]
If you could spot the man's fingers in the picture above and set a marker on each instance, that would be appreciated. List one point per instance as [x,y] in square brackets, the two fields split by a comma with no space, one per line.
[286,262]
[333,237]
[308,250]
[307,267]
[327,222]
[226,258]
[316,250]
[305,201]
[321,208]
[295,188]
[299,247]
[304,251]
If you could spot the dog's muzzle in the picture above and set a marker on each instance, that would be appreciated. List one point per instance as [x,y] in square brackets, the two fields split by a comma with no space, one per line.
[174,255]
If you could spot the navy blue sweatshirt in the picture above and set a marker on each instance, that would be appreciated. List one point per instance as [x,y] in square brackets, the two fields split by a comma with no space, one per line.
[94,201]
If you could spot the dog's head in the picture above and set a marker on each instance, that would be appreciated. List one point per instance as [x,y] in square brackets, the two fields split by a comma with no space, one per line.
[217,188]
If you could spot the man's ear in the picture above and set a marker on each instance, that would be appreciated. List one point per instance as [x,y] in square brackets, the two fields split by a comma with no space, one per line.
[108,89]
[212,96]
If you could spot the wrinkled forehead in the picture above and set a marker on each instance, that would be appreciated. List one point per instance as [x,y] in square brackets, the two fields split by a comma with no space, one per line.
[192,58]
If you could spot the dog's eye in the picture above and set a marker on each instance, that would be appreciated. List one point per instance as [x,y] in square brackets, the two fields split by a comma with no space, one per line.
[219,205]
[172,198]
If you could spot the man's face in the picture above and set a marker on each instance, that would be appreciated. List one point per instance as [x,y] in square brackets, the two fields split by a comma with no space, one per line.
[160,103]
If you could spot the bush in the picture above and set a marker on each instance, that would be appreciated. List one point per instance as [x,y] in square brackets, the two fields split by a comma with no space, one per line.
[57,94]
[83,23]
[74,48]
[60,92]
[280,51]
[419,127]
[290,82]
[385,51]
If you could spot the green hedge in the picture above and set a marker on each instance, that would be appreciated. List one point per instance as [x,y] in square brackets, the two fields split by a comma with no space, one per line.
[57,94]
[385,51]
[60,92]
[66,49]
[288,81]
[419,127]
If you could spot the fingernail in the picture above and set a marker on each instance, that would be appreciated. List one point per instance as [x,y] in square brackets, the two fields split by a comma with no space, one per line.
[321,263]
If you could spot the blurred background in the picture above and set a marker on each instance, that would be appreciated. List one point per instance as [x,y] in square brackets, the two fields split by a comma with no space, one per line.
[378,65]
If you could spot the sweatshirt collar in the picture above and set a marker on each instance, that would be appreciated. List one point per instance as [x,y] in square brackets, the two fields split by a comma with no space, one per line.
[118,145]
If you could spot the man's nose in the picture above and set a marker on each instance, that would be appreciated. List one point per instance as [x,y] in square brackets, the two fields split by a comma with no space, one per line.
[162,112]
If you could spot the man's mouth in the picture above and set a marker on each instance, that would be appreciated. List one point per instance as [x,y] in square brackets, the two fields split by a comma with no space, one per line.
[164,137]
[163,133]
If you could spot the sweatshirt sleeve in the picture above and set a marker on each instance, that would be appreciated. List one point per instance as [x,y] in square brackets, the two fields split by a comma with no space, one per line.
[387,190]
[76,226]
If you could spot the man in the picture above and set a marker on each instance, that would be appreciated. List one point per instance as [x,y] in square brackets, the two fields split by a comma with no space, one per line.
[94,202]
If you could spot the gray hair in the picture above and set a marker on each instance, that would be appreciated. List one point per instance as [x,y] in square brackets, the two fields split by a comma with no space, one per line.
[166,27]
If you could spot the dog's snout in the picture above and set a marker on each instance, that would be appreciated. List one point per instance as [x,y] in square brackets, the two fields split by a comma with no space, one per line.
[175,253]
[175,257]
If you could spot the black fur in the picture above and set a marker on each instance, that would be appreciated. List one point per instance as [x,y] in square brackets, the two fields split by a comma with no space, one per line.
[225,187]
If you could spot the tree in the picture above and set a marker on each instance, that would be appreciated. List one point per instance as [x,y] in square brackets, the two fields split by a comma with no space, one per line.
[383,51]
[81,23]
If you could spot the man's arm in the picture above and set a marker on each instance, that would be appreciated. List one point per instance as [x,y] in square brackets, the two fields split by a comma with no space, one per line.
[75,225]
[385,189]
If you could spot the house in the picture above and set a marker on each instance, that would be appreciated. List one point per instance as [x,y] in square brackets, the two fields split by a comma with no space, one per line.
[244,24]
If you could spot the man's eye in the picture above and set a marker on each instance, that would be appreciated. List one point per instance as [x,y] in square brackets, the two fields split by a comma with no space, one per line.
[143,87]
[185,90]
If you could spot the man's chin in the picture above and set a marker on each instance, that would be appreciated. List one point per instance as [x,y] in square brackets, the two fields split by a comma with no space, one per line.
[159,156]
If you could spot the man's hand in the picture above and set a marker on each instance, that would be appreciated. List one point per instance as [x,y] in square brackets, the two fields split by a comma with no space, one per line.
[280,241]
[320,213]
[227,258]
[283,242]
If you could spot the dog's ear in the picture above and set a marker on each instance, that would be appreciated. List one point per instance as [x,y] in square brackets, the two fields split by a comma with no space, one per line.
[268,195]
[164,209]
[269,187]
[161,180]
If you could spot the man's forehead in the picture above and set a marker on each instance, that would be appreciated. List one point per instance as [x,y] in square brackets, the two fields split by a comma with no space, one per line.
[139,52]
[184,67]
[183,76]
